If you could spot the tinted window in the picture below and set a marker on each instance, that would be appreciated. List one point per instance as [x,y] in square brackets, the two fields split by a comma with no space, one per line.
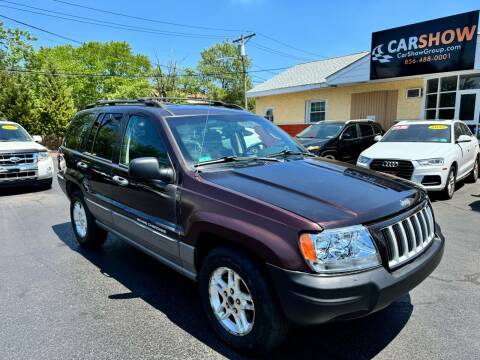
[350,132]
[78,130]
[458,131]
[418,133]
[93,133]
[108,136]
[465,129]
[323,130]
[366,130]
[377,129]
[142,140]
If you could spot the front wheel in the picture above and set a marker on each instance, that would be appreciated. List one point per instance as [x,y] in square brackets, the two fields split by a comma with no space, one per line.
[473,176]
[240,303]
[330,156]
[449,190]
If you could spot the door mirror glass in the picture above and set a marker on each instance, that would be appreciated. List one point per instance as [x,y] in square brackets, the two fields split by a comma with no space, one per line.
[148,168]
[377,138]
[464,138]
[37,139]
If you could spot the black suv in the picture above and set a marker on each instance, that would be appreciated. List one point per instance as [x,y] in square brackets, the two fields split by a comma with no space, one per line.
[273,234]
[340,140]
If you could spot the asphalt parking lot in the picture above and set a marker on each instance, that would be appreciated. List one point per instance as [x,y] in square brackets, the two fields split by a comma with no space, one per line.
[59,302]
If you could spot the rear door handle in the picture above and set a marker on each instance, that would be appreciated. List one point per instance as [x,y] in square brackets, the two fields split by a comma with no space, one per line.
[82,165]
[120,180]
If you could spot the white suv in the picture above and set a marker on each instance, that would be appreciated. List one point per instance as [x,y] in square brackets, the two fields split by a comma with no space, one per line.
[435,154]
[22,159]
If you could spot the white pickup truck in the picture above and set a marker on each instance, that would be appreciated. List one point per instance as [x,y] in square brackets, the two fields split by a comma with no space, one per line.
[23,161]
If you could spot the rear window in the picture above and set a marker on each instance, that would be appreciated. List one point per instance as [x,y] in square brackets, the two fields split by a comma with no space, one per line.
[78,130]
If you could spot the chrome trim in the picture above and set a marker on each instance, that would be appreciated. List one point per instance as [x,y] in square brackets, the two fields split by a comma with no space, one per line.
[98,205]
[404,247]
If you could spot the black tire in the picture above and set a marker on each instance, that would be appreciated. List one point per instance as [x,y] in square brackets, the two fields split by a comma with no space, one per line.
[270,326]
[94,236]
[329,155]
[447,192]
[473,176]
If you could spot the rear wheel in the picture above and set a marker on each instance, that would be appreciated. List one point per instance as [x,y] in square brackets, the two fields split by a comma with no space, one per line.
[239,303]
[449,190]
[473,177]
[87,233]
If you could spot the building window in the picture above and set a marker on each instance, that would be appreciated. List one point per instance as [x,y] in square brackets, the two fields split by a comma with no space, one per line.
[269,114]
[316,110]
[440,98]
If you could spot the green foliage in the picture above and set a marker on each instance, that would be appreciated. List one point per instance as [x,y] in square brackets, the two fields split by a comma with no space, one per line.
[123,73]
[222,70]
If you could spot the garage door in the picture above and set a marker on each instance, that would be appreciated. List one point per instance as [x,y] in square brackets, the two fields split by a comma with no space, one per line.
[381,104]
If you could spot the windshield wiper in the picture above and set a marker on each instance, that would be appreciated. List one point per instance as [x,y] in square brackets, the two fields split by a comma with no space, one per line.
[233,158]
[287,152]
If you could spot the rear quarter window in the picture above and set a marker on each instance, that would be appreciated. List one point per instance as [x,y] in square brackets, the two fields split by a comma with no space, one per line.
[78,130]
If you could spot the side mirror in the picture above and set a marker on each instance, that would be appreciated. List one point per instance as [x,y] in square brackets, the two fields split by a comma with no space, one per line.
[37,139]
[377,138]
[148,168]
[464,138]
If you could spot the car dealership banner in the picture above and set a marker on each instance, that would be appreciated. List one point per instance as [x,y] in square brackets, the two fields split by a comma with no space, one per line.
[445,44]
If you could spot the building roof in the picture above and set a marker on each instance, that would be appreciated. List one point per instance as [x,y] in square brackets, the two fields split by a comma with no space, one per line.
[311,74]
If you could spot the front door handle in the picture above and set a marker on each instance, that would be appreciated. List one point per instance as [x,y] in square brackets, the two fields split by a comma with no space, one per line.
[120,180]
[82,165]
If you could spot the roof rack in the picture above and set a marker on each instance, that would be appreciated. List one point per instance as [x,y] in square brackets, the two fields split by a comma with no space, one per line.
[161,102]
[193,101]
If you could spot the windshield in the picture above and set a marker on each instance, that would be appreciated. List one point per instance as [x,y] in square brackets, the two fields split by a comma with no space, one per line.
[321,131]
[418,133]
[228,136]
[12,132]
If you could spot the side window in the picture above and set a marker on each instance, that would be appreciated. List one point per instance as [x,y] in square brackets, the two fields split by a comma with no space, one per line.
[78,130]
[108,136]
[142,140]
[377,129]
[458,130]
[350,132]
[465,129]
[93,132]
[366,130]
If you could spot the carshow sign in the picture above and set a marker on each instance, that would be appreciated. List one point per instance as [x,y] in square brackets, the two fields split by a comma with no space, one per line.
[445,44]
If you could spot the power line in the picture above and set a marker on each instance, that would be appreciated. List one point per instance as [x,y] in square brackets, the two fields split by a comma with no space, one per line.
[112,25]
[148,19]
[289,46]
[277,52]
[42,30]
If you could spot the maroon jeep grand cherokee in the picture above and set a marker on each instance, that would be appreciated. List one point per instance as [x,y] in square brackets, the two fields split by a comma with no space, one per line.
[272,234]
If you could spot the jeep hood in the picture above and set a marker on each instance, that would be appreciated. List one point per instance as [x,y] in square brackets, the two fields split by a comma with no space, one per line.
[21,146]
[330,193]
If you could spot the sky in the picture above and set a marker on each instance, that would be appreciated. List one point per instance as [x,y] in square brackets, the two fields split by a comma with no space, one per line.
[288,32]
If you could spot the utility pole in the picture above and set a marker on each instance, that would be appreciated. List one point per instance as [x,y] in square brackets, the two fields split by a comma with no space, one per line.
[241,41]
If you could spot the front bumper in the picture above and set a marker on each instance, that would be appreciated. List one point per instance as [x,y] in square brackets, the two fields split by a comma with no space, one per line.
[309,299]
[27,174]
[422,176]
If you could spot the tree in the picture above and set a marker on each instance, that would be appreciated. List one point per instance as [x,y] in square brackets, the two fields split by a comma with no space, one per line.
[222,71]
[105,70]
[54,106]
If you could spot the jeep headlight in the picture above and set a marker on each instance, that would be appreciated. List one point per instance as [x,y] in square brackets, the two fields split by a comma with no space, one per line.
[339,250]
[431,162]
[41,156]
[363,160]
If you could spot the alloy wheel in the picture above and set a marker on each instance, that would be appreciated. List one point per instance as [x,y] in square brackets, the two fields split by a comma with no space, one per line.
[451,184]
[80,219]
[231,301]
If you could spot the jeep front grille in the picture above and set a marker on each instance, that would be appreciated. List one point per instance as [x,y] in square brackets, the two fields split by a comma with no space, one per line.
[409,237]
[13,159]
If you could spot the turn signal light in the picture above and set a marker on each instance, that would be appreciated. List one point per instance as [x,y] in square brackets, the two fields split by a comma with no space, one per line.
[307,248]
